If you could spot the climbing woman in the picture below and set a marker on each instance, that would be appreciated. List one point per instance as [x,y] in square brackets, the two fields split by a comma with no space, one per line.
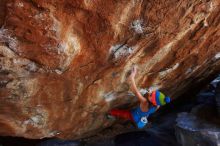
[149,103]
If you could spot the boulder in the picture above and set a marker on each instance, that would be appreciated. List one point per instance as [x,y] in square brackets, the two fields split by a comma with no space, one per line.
[63,63]
[217,96]
[191,131]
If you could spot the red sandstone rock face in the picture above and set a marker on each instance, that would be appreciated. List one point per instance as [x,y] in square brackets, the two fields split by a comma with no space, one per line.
[64,62]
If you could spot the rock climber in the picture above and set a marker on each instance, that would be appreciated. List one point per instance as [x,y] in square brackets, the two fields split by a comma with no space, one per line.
[149,103]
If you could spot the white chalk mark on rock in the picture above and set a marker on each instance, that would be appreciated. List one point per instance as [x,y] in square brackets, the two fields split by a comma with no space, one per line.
[189,70]
[59,72]
[169,70]
[109,96]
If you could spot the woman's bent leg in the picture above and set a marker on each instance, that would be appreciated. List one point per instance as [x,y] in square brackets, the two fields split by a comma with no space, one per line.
[125,114]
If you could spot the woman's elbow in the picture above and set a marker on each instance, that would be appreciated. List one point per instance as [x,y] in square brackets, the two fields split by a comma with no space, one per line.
[144,101]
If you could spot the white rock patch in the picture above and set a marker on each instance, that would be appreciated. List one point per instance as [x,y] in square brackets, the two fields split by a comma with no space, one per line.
[5,37]
[20,4]
[35,121]
[217,56]
[137,25]
[120,51]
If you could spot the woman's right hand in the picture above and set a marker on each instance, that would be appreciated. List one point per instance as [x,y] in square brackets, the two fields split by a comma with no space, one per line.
[133,73]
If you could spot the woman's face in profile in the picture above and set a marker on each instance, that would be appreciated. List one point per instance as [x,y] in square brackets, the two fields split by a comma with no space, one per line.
[148,96]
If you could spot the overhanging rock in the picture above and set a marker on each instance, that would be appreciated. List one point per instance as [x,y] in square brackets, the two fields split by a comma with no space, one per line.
[63,64]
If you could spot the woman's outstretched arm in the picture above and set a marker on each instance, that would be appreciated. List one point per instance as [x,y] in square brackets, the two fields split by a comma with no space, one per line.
[134,87]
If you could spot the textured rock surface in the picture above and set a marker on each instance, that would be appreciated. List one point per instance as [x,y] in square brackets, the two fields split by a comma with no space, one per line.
[63,63]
